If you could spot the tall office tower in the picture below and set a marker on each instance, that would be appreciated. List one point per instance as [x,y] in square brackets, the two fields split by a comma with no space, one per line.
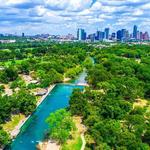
[81,34]
[84,35]
[138,35]
[123,34]
[146,36]
[92,37]
[119,35]
[135,32]
[113,36]
[106,33]
[1,35]
[141,35]
[102,35]
[99,35]
[127,35]
[23,35]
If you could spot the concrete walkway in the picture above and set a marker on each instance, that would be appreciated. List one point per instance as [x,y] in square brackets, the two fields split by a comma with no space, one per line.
[83,142]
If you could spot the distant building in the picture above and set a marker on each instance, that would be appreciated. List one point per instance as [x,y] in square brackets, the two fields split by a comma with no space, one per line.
[119,35]
[7,41]
[81,34]
[97,37]
[146,36]
[23,35]
[92,37]
[1,35]
[106,33]
[113,36]
[135,32]
[138,35]
[141,35]
[70,37]
[123,35]
[100,35]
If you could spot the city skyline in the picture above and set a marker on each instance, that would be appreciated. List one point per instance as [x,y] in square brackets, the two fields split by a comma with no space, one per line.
[122,35]
[65,16]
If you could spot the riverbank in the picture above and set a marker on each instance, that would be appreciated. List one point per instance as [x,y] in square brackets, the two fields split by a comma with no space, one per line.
[16,131]
[77,142]
[48,145]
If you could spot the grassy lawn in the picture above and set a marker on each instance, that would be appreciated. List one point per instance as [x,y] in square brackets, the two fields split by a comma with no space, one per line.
[76,142]
[9,126]
[5,50]
[140,103]
[8,63]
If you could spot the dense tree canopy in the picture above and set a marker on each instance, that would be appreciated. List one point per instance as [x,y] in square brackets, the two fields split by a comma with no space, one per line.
[110,105]
[27,67]
[60,124]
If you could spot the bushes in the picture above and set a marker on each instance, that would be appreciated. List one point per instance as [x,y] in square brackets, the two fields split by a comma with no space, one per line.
[72,73]
[4,138]
[24,102]
[8,74]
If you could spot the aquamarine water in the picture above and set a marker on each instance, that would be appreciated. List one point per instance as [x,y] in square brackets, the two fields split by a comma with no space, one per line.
[34,130]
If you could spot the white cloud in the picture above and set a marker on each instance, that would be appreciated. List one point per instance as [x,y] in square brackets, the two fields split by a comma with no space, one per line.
[138,12]
[38,11]
[56,4]
[97,6]
[146,6]
[12,2]
[78,5]
[72,13]
[70,5]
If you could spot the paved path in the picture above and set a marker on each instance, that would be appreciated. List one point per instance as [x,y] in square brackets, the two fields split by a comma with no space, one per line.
[83,142]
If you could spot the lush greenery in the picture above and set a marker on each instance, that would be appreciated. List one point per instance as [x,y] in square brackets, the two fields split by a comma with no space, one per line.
[10,125]
[60,124]
[76,145]
[75,141]
[45,62]
[111,106]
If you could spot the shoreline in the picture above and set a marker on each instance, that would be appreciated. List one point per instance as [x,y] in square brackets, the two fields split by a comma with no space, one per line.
[16,131]
[47,145]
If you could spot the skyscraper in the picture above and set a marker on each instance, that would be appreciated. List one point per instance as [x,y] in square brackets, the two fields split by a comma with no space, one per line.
[119,35]
[141,35]
[135,32]
[138,35]
[81,34]
[113,35]
[123,34]
[100,35]
[97,37]
[146,36]
[92,37]
[106,33]
[23,35]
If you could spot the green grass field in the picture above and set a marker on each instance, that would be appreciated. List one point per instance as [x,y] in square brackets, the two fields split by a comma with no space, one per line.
[9,126]
[76,144]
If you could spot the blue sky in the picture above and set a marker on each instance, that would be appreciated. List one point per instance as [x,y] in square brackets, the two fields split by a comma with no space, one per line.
[65,16]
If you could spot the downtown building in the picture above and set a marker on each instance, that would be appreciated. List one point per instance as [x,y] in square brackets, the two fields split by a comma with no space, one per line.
[81,34]
[122,35]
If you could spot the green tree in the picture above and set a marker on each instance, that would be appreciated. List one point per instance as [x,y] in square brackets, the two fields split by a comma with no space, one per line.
[78,103]
[4,138]
[60,125]
[24,102]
